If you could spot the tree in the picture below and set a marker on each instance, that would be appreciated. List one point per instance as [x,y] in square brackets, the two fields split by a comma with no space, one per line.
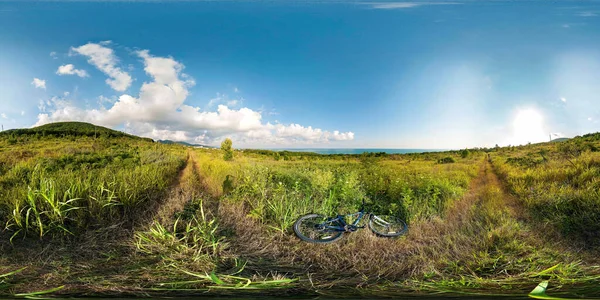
[465,153]
[227,150]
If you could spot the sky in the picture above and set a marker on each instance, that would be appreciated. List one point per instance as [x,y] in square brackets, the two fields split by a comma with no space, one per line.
[306,74]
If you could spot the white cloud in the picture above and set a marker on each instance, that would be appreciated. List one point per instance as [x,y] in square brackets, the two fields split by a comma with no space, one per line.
[590,118]
[395,5]
[587,14]
[69,69]
[563,99]
[236,90]
[401,5]
[103,99]
[104,59]
[42,106]
[566,26]
[159,111]
[53,55]
[224,99]
[39,83]
[66,94]
[3,115]
[22,113]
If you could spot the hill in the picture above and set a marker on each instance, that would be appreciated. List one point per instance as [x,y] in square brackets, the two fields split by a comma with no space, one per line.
[64,129]
[169,142]
[560,140]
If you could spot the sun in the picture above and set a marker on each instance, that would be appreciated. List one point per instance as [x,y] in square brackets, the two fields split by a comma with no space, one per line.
[528,127]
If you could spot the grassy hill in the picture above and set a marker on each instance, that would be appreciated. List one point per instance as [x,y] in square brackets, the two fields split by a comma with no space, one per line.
[169,142]
[73,129]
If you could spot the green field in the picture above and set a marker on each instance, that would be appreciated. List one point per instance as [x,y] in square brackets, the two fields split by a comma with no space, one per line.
[87,211]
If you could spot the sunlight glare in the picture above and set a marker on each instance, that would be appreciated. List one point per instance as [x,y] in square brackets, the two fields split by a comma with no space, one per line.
[528,127]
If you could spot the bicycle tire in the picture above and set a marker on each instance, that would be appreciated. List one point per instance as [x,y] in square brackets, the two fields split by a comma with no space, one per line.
[309,224]
[387,226]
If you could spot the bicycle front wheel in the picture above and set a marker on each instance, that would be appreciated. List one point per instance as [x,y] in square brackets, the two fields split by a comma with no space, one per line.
[314,228]
[387,226]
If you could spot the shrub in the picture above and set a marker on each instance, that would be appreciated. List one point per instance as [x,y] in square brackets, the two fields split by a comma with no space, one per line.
[227,151]
[446,160]
[465,153]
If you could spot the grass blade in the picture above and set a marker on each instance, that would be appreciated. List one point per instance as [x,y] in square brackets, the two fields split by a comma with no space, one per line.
[12,273]
[52,290]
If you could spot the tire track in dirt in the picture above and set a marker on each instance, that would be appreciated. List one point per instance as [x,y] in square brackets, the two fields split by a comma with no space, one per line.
[180,192]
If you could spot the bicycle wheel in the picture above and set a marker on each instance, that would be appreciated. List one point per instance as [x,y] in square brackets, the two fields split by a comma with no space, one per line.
[387,226]
[312,228]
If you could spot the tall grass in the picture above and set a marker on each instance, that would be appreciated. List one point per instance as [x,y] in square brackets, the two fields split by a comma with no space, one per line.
[277,192]
[66,191]
[557,186]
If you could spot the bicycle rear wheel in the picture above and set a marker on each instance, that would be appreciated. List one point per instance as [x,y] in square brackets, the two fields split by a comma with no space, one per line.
[387,226]
[313,228]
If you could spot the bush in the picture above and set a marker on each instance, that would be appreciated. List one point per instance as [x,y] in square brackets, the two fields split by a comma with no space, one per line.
[464,153]
[227,151]
[446,160]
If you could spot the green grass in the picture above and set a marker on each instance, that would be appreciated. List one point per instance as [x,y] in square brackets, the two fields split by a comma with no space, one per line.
[559,183]
[105,213]
[63,186]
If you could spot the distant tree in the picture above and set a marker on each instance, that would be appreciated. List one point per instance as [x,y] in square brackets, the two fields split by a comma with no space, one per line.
[276,155]
[227,150]
[465,153]
[446,160]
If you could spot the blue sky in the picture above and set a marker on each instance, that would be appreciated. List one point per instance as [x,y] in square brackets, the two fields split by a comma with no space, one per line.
[358,74]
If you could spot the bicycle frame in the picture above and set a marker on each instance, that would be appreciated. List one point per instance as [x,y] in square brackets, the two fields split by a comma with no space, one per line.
[342,220]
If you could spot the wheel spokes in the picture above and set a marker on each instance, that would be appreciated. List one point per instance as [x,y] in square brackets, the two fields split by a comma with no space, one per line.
[317,229]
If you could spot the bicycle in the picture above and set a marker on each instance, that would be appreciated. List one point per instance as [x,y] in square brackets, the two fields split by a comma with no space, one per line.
[316,228]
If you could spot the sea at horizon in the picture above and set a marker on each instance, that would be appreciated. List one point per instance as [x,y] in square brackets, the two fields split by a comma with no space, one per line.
[357,150]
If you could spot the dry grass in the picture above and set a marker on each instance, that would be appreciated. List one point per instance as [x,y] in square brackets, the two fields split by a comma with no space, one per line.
[466,232]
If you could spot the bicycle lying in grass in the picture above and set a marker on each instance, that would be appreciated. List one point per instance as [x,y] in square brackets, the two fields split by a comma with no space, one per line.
[315,228]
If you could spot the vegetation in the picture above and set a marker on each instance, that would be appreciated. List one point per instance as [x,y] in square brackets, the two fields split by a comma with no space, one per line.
[145,218]
[66,129]
[227,150]
[559,183]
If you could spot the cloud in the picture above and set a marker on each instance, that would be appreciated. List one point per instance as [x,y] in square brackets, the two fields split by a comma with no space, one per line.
[159,111]
[224,99]
[590,119]
[22,113]
[53,55]
[3,115]
[104,59]
[103,99]
[39,83]
[70,70]
[587,14]
[563,99]
[402,5]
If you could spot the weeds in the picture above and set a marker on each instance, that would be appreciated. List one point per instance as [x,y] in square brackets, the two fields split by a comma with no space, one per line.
[231,220]
[561,188]
[67,191]
[194,240]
